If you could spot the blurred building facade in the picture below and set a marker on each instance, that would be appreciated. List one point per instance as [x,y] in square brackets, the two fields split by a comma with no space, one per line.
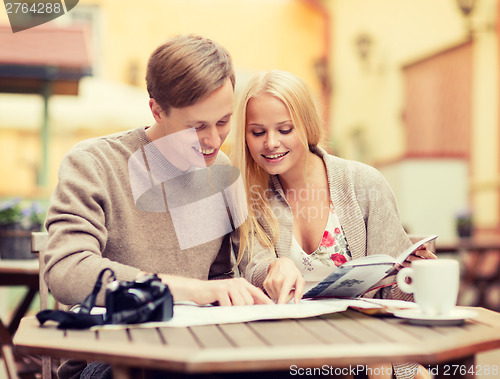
[410,87]
[260,35]
[415,94]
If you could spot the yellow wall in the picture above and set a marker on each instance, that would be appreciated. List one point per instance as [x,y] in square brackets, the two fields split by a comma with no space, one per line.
[260,34]
[368,97]
[485,171]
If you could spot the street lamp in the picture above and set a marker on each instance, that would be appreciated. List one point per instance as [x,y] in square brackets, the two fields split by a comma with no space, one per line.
[364,44]
[466,7]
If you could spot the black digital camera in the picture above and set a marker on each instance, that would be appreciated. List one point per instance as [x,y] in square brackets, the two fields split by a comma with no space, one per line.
[143,300]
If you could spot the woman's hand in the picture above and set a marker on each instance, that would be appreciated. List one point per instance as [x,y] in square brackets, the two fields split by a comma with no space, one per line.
[421,253]
[284,281]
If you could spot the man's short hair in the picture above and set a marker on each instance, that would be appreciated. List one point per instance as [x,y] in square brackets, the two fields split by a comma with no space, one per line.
[185,69]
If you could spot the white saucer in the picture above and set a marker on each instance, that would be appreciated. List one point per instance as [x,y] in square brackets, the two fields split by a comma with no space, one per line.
[456,317]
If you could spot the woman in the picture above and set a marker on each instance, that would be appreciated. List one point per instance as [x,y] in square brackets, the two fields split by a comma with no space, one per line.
[309,211]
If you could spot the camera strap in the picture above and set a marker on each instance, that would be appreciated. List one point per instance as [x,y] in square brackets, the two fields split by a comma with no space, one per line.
[69,320]
[82,319]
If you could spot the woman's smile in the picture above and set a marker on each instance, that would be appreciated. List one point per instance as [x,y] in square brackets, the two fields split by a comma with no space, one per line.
[275,157]
[271,137]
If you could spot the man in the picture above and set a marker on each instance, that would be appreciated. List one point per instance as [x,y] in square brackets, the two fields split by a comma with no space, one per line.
[120,202]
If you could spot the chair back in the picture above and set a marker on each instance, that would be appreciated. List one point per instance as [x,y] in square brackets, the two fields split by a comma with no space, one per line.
[38,246]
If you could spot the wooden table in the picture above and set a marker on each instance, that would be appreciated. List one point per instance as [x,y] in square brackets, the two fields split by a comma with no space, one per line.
[480,259]
[17,273]
[23,272]
[333,342]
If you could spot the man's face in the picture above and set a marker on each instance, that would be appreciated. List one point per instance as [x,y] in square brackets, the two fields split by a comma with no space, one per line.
[194,134]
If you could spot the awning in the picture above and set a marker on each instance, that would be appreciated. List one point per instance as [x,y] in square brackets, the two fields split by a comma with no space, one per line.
[43,60]
[34,56]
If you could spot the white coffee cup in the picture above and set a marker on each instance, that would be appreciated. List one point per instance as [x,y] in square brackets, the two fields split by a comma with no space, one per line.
[434,284]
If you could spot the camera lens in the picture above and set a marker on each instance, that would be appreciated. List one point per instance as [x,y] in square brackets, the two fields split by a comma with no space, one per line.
[138,298]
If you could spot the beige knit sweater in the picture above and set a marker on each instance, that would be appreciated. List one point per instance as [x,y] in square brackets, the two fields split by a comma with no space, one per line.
[94,223]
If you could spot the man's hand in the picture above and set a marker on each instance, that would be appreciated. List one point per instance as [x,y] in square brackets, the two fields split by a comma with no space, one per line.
[237,291]
[284,281]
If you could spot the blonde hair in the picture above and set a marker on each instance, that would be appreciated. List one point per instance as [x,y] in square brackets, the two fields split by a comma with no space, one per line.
[299,102]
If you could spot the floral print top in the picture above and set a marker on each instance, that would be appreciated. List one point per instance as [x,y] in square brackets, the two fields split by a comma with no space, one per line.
[331,253]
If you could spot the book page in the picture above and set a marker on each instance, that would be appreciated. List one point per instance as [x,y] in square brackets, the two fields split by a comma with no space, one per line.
[405,254]
[349,281]
[371,260]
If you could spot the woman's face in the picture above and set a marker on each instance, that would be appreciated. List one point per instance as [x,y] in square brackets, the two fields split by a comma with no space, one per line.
[271,136]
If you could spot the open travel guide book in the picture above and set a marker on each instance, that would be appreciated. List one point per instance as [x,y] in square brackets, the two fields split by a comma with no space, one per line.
[354,278]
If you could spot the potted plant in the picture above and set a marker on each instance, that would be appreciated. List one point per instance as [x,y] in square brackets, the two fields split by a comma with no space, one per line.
[18,218]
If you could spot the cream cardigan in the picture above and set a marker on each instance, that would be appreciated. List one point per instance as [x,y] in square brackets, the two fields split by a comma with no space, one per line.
[367,211]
